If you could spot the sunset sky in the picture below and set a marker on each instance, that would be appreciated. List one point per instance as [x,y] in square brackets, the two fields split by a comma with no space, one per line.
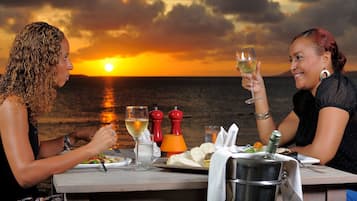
[180,37]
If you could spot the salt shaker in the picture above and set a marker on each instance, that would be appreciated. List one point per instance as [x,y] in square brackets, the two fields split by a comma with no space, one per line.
[156,117]
[176,116]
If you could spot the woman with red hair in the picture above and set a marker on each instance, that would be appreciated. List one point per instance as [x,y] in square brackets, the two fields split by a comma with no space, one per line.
[323,122]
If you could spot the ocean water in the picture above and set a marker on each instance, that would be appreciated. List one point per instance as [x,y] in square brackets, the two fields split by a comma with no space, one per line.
[96,101]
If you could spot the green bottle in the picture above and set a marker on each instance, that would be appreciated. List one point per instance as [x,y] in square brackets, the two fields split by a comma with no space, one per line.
[272,145]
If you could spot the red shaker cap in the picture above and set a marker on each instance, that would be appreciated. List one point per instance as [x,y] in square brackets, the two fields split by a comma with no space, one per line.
[175,113]
[156,114]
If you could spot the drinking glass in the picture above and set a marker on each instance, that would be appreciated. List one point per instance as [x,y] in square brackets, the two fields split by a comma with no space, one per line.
[136,121]
[247,63]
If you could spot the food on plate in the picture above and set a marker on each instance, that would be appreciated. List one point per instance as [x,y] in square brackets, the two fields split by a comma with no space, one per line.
[102,157]
[182,159]
[208,147]
[257,147]
[196,157]
[207,160]
[197,154]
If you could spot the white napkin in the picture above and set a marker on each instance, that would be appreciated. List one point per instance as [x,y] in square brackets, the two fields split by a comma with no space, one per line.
[146,138]
[227,139]
[291,187]
[225,145]
[217,175]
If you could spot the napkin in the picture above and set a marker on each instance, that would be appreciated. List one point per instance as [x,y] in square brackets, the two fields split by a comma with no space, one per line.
[146,138]
[291,188]
[227,139]
[217,175]
[225,146]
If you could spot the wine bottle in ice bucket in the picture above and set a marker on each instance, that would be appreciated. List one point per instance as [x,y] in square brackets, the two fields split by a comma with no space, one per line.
[272,145]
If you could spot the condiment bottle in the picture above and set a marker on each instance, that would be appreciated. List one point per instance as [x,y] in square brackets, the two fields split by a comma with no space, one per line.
[176,116]
[272,145]
[156,117]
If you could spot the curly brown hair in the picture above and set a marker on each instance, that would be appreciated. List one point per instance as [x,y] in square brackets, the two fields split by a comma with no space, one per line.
[31,70]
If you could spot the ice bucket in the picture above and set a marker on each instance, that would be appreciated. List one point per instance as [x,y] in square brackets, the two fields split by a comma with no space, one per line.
[252,178]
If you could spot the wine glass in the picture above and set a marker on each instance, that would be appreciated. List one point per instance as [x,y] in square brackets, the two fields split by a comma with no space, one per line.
[136,121]
[247,63]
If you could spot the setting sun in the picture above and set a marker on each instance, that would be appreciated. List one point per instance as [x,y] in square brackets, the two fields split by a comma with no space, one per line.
[108,67]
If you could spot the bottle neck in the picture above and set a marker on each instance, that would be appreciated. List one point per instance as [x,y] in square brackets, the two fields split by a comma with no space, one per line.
[272,145]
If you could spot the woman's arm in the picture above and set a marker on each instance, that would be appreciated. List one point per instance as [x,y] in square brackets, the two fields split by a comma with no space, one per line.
[288,128]
[55,146]
[52,147]
[264,120]
[331,125]
[14,130]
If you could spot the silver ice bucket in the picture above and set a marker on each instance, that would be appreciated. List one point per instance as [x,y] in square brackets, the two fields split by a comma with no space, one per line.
[253,178]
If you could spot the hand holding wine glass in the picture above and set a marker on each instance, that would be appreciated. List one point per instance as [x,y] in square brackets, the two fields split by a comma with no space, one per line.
[136,121]
[247,63]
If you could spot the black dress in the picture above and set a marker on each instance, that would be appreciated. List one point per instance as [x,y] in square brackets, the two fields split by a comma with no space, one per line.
[10,189]
[334,91]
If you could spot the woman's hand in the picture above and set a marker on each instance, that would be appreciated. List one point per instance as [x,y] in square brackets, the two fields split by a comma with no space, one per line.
[104,138]
[254,80]
[85,134]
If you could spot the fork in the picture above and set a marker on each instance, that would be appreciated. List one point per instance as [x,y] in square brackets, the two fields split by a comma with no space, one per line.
[103,165]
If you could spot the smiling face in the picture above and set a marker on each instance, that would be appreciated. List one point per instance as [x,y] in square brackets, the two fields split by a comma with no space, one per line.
[307,63]
[64,64]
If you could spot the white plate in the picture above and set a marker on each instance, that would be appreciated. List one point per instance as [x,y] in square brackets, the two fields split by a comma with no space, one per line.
[302,158]
[123,161]
[307,159]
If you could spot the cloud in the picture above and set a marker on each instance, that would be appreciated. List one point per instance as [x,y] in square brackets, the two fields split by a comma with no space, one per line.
[13,19]
[306,1]
[184,29]
[332,15]
[258,11]
[111,15]
[205,30]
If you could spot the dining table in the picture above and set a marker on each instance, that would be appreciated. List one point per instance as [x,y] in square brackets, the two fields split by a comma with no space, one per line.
[160,183]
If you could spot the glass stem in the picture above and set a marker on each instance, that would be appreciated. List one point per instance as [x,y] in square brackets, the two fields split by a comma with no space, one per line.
[252,88]
[137,151]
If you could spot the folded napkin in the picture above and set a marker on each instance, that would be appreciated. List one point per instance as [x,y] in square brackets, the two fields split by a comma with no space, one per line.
[291,186]
[227,139]
[225,146]
[145,138]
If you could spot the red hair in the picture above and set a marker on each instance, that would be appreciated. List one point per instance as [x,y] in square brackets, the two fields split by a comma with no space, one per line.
[325,42]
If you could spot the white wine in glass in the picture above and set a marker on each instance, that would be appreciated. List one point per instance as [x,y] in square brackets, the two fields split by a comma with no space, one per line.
[136,121]
[247,63]
[136,126]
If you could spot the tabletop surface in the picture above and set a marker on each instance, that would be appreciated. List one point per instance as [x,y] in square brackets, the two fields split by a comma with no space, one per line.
[124,180]
[121,180]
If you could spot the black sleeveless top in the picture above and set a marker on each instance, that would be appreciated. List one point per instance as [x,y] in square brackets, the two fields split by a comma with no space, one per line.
[334,91]
[10,188]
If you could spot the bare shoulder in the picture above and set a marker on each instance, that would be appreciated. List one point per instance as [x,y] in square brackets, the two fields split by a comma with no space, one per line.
[12,107]
[12,102]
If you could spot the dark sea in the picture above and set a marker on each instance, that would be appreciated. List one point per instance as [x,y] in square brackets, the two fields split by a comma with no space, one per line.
[96,101]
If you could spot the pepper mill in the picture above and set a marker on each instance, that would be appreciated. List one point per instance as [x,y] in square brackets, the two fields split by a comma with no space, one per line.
[156,116]
[176,116]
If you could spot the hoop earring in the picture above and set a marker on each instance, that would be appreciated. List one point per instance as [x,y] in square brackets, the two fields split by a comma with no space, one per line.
[324,74]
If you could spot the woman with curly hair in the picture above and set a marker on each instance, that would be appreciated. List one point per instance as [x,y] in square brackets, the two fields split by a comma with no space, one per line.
[38,64]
